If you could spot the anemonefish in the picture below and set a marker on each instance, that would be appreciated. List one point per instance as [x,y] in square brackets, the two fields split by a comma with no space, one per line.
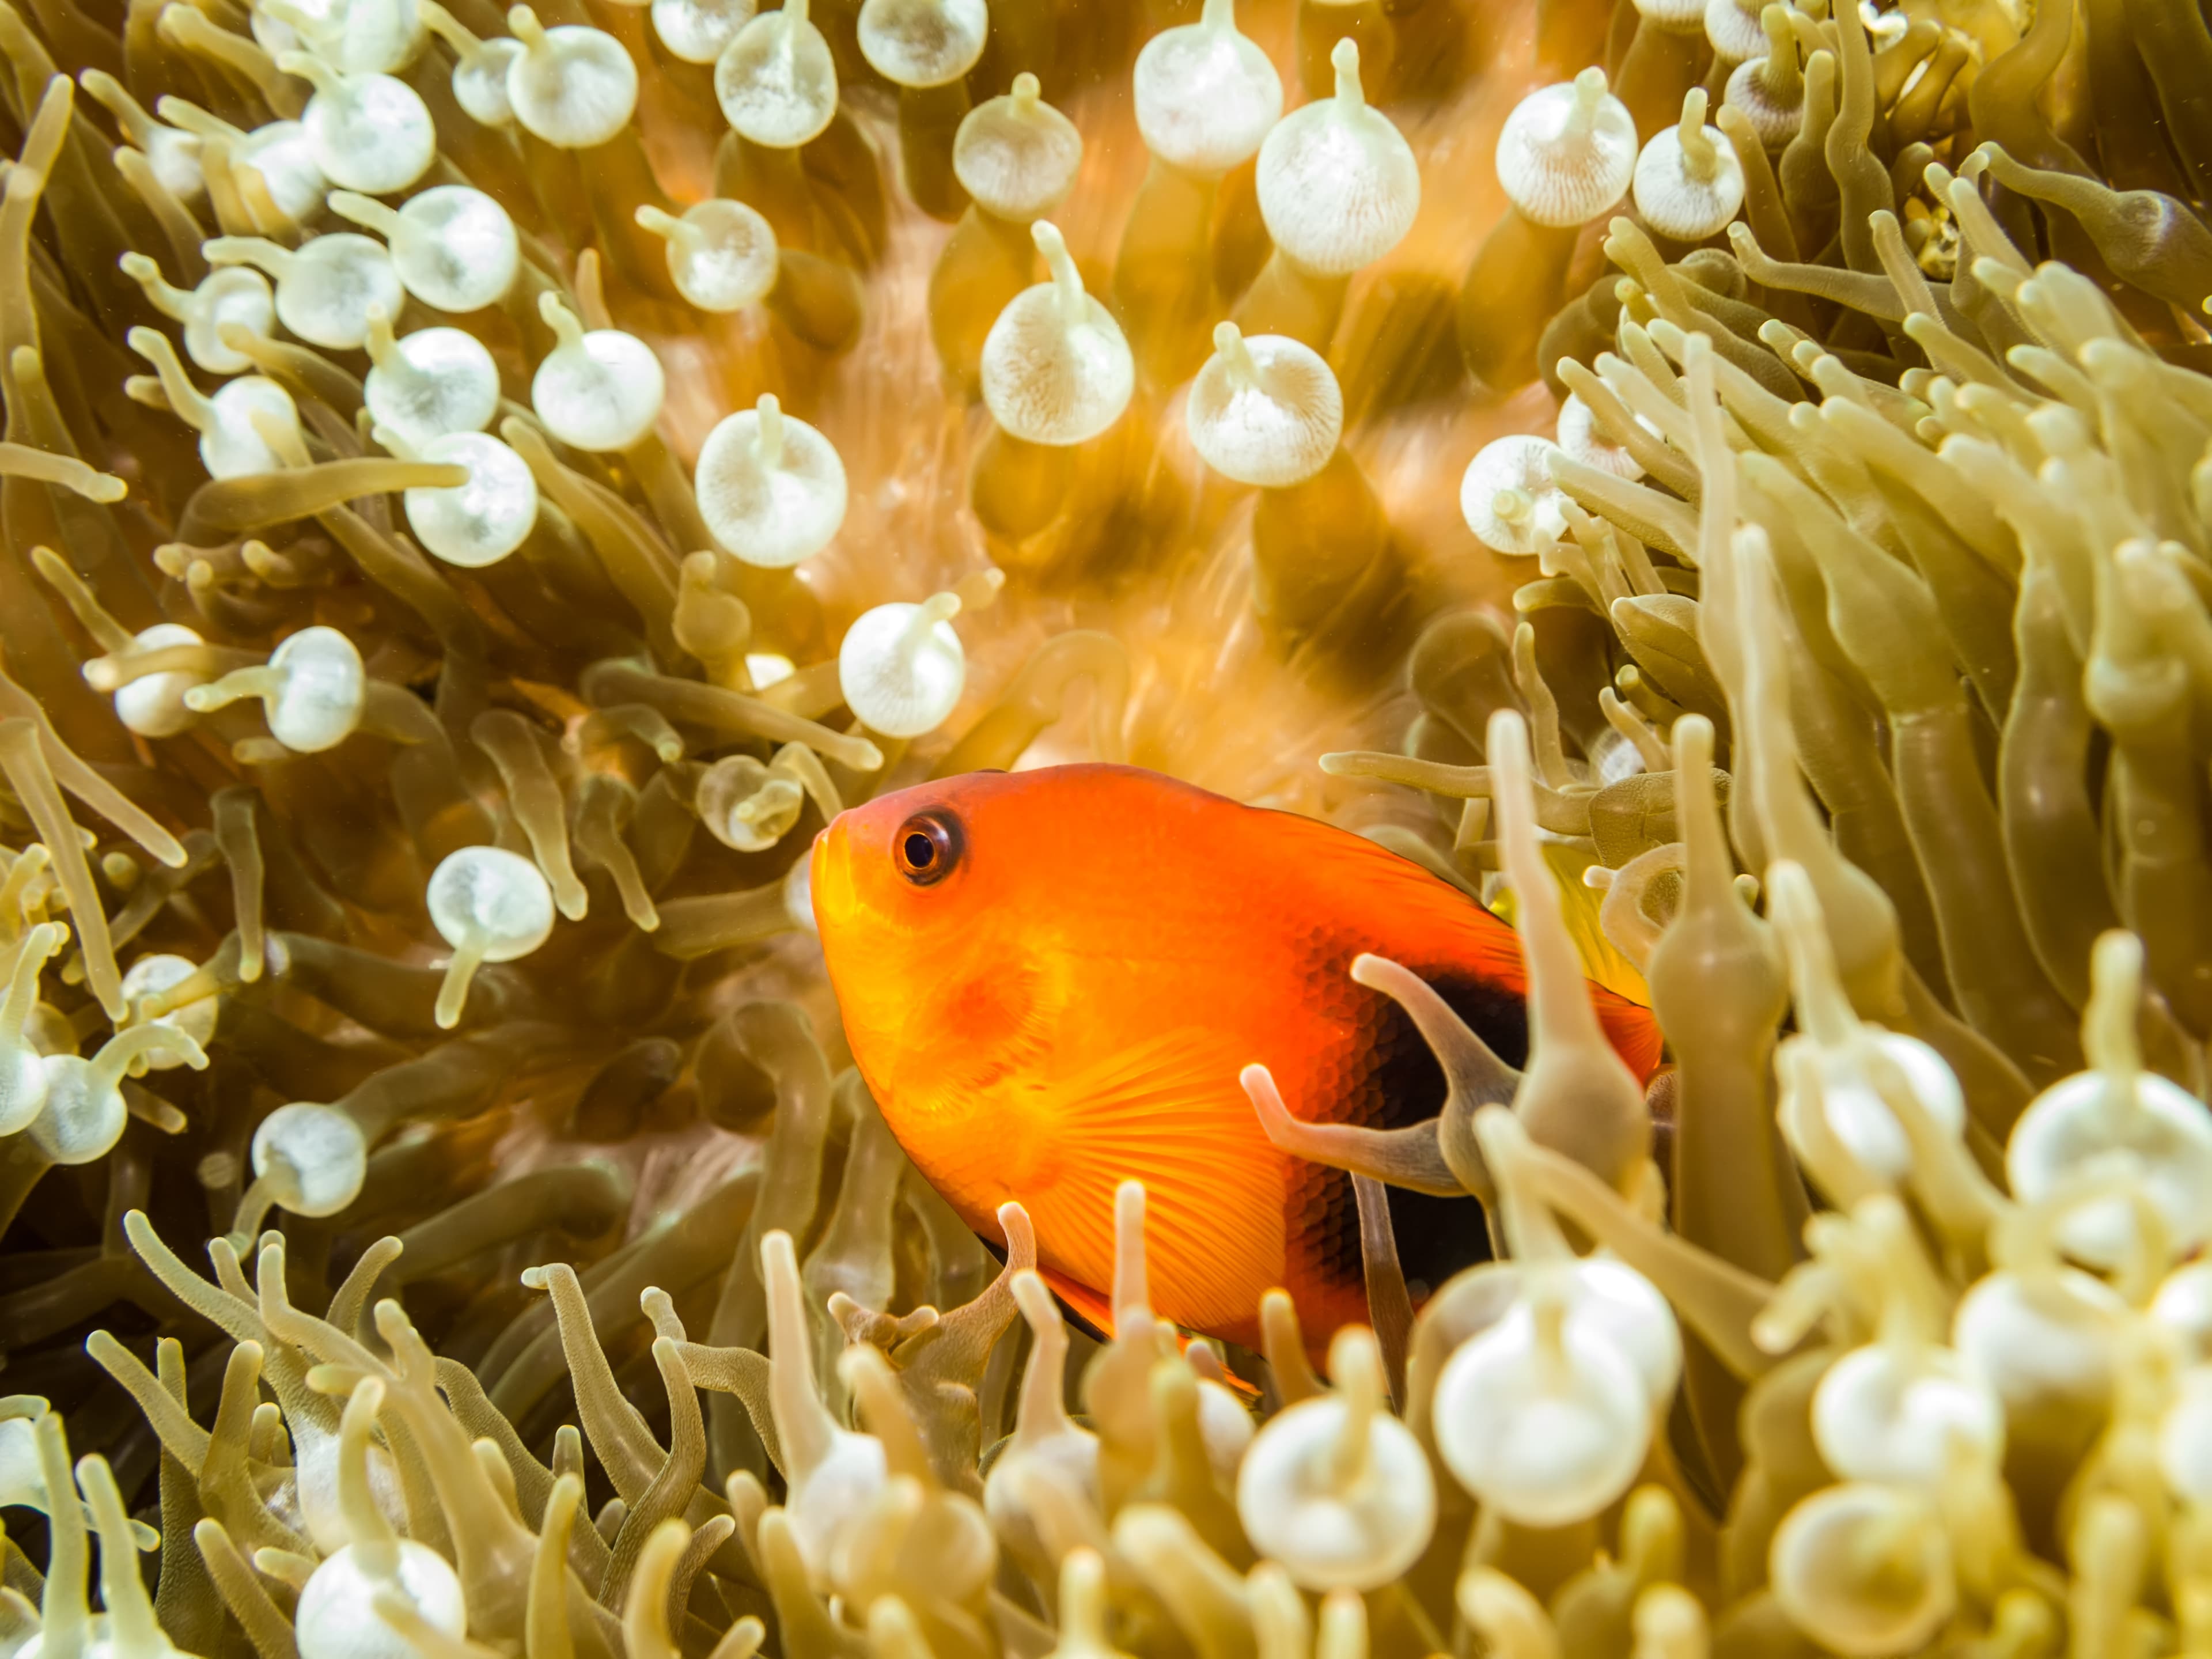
[1051,980]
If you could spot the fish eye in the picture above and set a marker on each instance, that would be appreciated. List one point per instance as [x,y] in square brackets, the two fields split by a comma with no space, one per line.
[926,848]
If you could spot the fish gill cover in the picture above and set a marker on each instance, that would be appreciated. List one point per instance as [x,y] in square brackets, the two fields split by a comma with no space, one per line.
[480,490]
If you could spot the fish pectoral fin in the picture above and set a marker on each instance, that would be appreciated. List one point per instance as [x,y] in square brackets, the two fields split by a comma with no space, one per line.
[1091,1308]
[1170,1113]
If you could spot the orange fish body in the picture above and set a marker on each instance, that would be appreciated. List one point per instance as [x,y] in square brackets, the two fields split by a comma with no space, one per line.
[1051,980]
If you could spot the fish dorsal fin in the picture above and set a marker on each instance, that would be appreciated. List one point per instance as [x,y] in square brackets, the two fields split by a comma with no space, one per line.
[1170,1112]
[1351,876]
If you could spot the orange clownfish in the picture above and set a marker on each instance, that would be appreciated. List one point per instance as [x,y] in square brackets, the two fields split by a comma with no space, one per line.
[1051,980]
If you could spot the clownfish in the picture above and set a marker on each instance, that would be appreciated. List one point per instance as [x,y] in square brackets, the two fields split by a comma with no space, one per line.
[1051,980]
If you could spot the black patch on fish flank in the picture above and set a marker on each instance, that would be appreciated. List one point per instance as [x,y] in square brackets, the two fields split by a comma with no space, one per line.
[1437,1238]
[1410,1083]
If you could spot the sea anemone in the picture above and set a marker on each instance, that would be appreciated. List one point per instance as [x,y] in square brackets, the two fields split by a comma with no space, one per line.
[454,458]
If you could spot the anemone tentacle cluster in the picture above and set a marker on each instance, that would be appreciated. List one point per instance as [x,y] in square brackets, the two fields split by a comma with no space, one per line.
[456,456]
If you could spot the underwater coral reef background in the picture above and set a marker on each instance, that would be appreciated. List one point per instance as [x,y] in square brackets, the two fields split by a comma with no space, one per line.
[482,490]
